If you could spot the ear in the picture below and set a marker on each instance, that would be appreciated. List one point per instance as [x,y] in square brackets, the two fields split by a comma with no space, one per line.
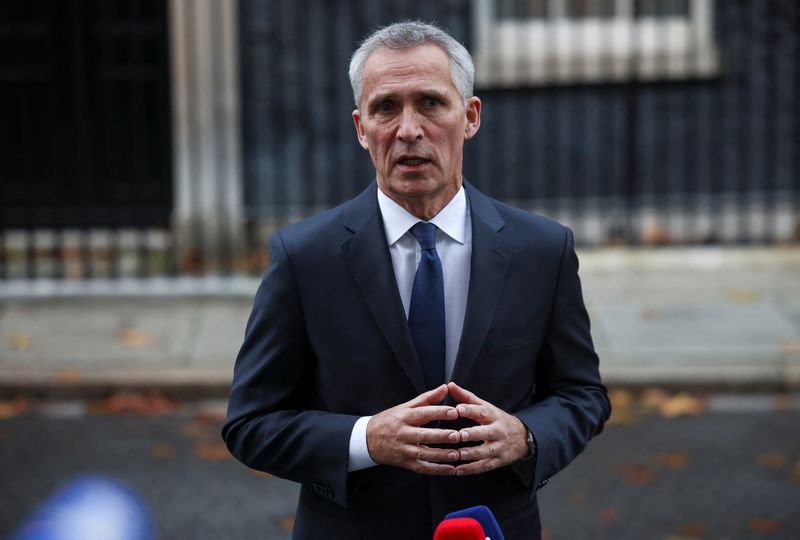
[473,117]
[362,137]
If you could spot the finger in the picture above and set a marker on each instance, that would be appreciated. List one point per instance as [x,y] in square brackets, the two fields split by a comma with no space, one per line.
[481,452]
[478,467]
[479,433]
[431,397]
[433,469]
[462,395]
[418,416]
[432,436]
[432,455]
[480,413]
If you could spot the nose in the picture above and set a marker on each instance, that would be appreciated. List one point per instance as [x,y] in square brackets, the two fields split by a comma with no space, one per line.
[410,128]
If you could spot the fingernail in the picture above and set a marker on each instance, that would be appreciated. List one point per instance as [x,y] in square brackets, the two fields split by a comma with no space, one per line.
[452,413]
[465,435]
[459,473]
[453,437]
[452,456]
[465,454]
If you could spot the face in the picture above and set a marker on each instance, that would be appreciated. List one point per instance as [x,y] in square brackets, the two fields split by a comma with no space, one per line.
[413,121]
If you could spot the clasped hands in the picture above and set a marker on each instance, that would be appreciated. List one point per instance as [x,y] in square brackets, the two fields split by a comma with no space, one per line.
[397,437]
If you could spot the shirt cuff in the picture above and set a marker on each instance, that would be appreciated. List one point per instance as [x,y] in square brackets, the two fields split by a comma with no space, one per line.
[359,454]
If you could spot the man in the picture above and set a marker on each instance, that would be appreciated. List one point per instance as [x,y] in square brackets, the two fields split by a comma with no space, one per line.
[402,370]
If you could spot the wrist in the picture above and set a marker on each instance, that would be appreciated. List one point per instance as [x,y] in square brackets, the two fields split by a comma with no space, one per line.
[530,446]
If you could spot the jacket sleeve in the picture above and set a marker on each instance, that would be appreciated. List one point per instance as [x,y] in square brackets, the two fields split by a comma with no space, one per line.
[570,402]
[273,422]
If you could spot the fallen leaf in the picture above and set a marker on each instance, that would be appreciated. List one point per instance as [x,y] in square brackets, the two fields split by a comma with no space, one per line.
[682,404]
[693,529]
[783,403]
[162,451]
[577,497]
[10,409]
[621,406]
[153,404]
[763,525]
[743,297]
[652,399]
[67,376]
[287,523]
[608,515]
[19,341]
[771,460]
[673,460]
[212,451]
[130,337]
[636,474]
[796,472]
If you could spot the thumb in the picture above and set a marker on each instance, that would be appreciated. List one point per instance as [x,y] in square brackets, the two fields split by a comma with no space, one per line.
[462,395]
[431,397]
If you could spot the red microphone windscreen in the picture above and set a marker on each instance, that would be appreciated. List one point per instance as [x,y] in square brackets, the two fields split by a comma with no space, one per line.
[459,529]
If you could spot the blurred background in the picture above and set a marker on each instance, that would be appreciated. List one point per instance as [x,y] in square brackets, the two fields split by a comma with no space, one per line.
[150,147]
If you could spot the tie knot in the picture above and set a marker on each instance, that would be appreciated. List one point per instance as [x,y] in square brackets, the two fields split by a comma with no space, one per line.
[425,233]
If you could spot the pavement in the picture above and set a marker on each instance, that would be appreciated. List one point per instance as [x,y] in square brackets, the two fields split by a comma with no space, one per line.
[725,318]
[732,472]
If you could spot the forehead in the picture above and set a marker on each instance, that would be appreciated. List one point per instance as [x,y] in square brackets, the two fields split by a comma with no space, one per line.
[394,70]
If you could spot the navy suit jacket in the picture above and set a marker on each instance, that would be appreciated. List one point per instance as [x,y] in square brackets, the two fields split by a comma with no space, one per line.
[327,342]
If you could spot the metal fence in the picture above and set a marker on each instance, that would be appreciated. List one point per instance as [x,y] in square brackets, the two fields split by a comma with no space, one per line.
[633,121]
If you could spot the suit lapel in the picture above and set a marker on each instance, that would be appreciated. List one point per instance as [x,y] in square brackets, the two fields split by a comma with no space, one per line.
[367,257]
[491,257]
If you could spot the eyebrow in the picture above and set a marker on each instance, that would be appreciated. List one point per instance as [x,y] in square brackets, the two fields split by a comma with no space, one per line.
[377,98]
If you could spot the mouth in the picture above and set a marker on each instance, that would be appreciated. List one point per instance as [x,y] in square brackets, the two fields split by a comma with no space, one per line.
[412,161]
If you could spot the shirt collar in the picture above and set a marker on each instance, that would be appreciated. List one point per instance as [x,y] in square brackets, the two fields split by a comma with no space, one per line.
[452,219]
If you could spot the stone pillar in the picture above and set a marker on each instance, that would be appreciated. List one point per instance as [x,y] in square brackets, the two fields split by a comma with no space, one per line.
[208,214]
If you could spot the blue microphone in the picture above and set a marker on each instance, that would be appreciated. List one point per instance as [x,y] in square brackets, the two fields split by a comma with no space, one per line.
[482,515]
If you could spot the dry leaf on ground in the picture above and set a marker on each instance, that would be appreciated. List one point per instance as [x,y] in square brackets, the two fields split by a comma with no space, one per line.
[608,515]
[287,523]
[693,529]
[19,341]
[673,460]
[682,404]
[162,451]
[652,399]
[771,460]
[152,404]
[763,525]
[212,451]
[10,409]
[130,337]
[636,473]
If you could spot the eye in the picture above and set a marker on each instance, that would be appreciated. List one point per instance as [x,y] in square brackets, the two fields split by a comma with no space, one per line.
[430,101]
[384,106]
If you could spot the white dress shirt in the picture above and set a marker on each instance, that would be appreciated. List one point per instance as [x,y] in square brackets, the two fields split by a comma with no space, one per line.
[454,245]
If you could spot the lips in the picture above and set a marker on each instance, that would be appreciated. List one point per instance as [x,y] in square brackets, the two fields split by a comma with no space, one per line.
[412,161]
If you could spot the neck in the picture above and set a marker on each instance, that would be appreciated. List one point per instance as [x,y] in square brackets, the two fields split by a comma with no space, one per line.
[425,208]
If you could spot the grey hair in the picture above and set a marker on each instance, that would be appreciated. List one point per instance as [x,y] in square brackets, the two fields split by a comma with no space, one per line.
[408,34]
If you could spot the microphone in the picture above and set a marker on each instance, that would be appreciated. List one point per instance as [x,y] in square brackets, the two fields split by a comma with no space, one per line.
[483,516]
[460,528]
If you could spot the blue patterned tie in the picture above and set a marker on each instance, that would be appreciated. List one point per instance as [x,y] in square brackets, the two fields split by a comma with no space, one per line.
[426,313]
